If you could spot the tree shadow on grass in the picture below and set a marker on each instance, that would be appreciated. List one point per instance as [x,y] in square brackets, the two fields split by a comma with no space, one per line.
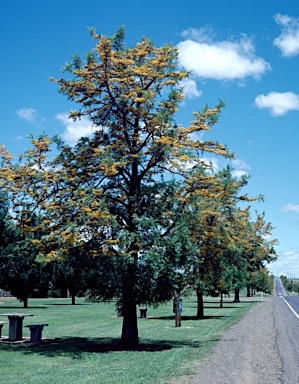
[75,347]
[185,317]
[22,308]
[218,306]
[74,305]
[249,301]
[204,318]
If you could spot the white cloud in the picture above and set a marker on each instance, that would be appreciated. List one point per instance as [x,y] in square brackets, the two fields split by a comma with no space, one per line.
[200,34]
[239,173]
[288,41]
[240,168]
[278,103]
[222,60]
[74,129]
[190,90]
[290,207]
[19,138]
[287,264]
[240,164]
[30,115]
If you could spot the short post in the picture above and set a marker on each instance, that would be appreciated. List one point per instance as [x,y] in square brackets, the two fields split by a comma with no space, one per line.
[143,312]
[177,310]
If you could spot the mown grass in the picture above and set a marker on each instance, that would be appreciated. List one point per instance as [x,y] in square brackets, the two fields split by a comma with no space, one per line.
[80,339]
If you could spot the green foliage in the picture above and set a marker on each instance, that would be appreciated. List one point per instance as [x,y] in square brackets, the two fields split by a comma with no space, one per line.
[290,284]
[231,250]
[20,272]
[118,39]
[3,216]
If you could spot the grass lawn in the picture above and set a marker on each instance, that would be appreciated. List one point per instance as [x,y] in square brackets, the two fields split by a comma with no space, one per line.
[79,340]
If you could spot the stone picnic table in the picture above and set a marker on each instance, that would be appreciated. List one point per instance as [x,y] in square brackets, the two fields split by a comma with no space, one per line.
[15,325]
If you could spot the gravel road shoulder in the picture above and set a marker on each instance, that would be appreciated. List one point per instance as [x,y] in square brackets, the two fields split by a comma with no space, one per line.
[248,353]
[287,326]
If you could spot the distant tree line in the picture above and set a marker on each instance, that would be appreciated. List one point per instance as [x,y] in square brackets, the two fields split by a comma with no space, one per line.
[290,284]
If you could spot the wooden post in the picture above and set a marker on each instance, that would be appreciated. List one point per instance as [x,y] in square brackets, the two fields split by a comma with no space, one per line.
[176,312]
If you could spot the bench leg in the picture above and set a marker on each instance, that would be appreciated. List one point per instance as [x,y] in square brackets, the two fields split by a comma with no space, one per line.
[36,334]
[1,326]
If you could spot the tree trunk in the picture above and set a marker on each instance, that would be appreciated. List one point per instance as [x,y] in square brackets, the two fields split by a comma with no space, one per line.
[73,298]
[221,299]
[248,291]
[25,301]
[129,337]
[200,308]
[237,295]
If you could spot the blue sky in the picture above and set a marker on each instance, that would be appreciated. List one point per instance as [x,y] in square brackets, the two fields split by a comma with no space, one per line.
[243,52]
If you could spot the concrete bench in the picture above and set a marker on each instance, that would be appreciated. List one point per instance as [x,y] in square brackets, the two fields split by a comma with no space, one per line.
[143,312]
[36,332]
[1,325]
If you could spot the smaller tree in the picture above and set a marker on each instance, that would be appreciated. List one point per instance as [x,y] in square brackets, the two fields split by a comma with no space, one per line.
[259,250]
[216,225]
[71,275]
[21,273]
[262,281]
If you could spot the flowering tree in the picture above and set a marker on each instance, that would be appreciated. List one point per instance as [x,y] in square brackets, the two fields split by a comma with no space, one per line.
[123,194]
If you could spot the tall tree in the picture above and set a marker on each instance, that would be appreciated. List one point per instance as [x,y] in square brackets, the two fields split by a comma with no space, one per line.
[122,194]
